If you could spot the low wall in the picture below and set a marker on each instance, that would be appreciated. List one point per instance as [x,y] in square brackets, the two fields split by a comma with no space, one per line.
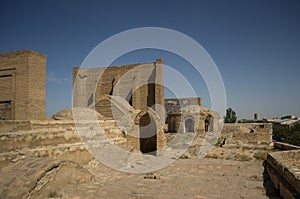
[284,146]
[283,167]
[23,125]
[60,139]
[7,126]
[52,138]
[247,133]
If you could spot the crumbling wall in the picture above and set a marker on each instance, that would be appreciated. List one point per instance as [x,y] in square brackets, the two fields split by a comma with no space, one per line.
[174,105]
[62,139]
[283,168]
[247,133]
[51,138]
[120,92]
[177,122]
[140,84]
[202,121]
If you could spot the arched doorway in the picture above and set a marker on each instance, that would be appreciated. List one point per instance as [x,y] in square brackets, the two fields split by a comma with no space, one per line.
[171,124]
[148,132]
[189,125]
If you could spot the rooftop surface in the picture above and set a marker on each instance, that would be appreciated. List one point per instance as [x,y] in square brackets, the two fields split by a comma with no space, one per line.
[185,178]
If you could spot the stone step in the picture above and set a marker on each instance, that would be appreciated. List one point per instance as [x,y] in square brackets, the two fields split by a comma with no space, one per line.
[49,151]
[14,141]
[38,131]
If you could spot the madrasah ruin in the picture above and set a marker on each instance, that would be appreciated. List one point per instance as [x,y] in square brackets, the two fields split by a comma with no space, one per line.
[43,157]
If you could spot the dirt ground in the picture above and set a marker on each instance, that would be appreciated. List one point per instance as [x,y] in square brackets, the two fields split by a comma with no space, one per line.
[185,178]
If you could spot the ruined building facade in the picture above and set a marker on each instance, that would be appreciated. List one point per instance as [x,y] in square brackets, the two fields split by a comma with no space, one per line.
[187,115]
[22,85]
[140,84]
[132,95]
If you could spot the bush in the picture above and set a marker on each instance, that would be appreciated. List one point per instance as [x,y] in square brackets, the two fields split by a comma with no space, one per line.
[288,135]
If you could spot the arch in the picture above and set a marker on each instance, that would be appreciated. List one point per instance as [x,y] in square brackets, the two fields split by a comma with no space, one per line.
[189,125]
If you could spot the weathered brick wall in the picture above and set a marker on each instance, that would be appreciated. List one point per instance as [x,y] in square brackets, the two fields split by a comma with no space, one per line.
[184,115]
[140,84]
[285,146]
[36,86]
[283,168]
[23,84]
[53,138]
[247,133]
[176,104]
[176,122]
[63,139]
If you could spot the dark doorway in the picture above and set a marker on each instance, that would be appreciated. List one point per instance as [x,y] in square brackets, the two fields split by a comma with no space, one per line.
[112,87]
[206,125]
[189,125]
[172,124]
[148,130]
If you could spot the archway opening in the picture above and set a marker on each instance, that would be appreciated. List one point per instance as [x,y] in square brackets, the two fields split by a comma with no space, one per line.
[206,125]
[189,125]
[148,135]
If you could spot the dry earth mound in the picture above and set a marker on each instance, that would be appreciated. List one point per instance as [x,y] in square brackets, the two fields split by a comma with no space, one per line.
[40,178]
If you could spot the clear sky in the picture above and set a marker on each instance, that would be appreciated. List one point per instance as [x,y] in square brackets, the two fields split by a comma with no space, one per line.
[254,43]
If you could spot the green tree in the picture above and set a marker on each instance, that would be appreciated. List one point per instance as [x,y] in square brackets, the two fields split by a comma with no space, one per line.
[288,135]
[230,116]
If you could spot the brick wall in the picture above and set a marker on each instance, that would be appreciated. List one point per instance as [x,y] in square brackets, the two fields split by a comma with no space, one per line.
[248,132]
[176,104]
[283,169]
[23,84]
[140,84]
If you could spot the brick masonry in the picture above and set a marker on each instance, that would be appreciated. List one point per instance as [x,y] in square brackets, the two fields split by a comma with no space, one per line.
[188,115]
[140,84]
[22,85]
[174,105]
[283,169]
[247,133]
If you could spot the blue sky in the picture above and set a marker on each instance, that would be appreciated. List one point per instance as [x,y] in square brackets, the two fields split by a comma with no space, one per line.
[255,44]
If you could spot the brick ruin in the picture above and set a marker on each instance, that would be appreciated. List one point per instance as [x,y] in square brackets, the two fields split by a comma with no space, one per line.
[188,115]
[283,169]
[22,85]
[135,91]
[140,84]
[117,91]
[131,97]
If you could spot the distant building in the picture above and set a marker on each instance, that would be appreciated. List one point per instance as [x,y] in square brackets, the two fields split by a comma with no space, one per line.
[187,115]
[287,121]
[288,117]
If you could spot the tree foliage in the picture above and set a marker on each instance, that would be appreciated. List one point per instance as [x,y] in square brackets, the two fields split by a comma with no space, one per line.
[288,135]
[230,116]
